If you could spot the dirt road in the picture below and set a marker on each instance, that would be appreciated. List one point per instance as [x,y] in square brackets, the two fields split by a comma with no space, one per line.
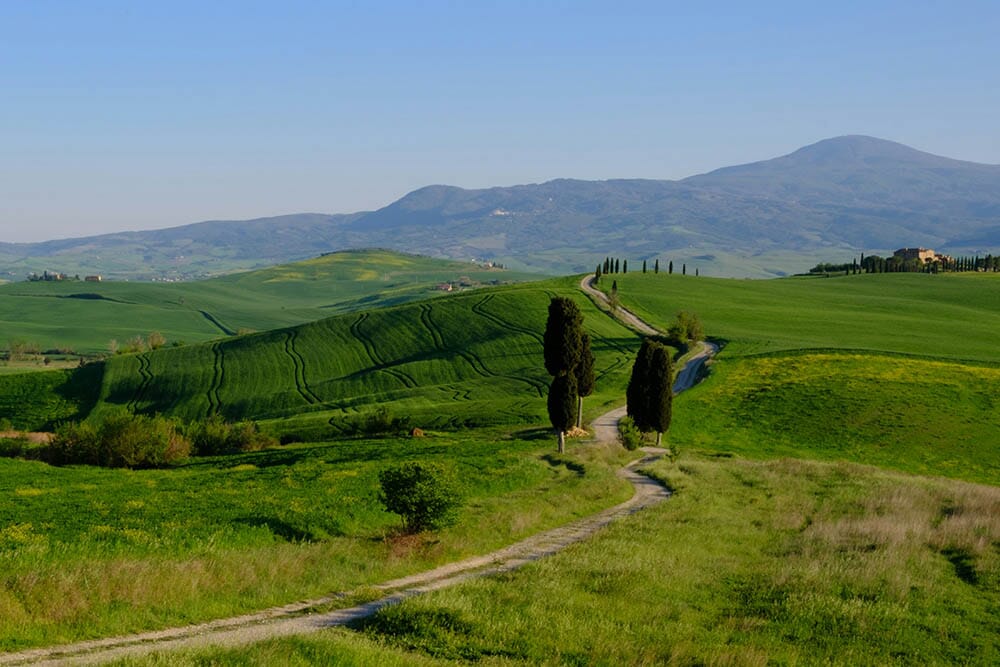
[303,617]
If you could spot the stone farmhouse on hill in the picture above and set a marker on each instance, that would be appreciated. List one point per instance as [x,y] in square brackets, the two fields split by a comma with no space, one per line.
[925,255]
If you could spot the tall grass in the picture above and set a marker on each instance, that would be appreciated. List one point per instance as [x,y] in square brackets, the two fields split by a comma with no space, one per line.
[88,552]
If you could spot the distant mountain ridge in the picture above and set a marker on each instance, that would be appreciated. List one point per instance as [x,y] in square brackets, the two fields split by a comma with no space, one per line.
[827,200]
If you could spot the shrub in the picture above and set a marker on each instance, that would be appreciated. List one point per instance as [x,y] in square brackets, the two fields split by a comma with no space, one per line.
[424,494]
[629,434]
[216,436]
[121,440]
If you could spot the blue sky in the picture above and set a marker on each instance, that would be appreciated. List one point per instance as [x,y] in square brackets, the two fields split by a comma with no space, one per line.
[122,116]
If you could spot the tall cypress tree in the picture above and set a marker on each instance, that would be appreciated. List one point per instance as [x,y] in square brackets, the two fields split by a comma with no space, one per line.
[625,266]
[684,269]
[617,265]
[562,405]
[656,266]
[637,392]
[563,352]
[650,389]
[670,268]
[661,391]
[643,266]
[585,376]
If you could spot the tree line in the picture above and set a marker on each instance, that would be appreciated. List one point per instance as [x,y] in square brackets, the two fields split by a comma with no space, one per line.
[896,264]
[617,265]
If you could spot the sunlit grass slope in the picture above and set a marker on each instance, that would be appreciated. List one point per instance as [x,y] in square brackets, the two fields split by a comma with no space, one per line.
[949,315]
[88,552]
[923,416]
[749,563]
[85,316]
[468,359]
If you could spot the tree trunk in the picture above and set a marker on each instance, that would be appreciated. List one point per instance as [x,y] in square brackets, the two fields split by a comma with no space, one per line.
[659,436]
[562,442]
[579,411]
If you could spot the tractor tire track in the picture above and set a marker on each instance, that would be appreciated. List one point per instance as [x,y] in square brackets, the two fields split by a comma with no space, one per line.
[480,309]
[146,380]
[299,370]
[218,374]
[374,356]
[434,329]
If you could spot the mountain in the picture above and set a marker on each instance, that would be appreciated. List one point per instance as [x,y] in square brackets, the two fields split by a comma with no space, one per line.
[827,201]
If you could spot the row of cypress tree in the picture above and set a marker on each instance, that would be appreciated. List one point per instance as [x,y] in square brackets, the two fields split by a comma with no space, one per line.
[570,362]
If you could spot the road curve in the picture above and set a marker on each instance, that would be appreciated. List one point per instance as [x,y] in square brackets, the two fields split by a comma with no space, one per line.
[303,618]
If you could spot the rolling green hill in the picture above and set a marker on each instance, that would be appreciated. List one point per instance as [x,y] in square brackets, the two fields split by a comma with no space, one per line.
[472,358]
[85,316]
[953,316]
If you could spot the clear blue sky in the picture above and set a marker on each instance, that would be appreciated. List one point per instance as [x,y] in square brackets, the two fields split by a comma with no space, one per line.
[137,115]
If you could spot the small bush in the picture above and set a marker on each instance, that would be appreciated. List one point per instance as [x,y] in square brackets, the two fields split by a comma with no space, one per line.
[378,422]
[121,440]
[629,434]
[424,494]
[216,436]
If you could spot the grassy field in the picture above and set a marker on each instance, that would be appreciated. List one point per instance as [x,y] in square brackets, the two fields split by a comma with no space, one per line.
[88,552]
[927,417]
[467,359]
[85,316]
[751,563]
[948,315]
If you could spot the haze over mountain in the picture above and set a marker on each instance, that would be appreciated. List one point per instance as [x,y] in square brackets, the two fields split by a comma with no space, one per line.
[828,200]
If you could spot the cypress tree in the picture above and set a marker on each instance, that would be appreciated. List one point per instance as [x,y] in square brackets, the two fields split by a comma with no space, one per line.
[684,269]
[597,273]
[562,405]
[607,265]
[656,266]
[637,392]
[697,271]
[661,391]
[617,265]
[670,267]
[585,376]
[625,266]
[643,266]
[562,343]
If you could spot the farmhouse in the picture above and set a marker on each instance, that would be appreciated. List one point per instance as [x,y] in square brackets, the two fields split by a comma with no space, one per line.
[93,279]
[923,254]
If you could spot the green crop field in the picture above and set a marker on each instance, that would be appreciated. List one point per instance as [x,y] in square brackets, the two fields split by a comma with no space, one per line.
[947,315]
[923,416]
[468,359]
[86,316]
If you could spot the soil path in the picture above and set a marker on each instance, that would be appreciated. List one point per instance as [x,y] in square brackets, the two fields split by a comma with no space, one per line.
[624,315]
[306,617]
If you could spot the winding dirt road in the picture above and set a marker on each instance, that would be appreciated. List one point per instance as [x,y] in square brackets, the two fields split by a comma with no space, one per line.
[304,617]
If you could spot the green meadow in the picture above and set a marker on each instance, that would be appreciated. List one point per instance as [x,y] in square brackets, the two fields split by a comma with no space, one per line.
[750,563]
[835,498]
[88,552]
[954,316]
[86,316]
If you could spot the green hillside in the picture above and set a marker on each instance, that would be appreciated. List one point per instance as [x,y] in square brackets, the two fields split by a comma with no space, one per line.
[953,316]
[85,316]
[466,359]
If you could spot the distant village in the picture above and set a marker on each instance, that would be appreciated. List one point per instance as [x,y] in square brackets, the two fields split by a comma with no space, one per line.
[55,277]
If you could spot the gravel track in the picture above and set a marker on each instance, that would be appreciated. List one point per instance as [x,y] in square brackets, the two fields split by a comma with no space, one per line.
[303,618]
